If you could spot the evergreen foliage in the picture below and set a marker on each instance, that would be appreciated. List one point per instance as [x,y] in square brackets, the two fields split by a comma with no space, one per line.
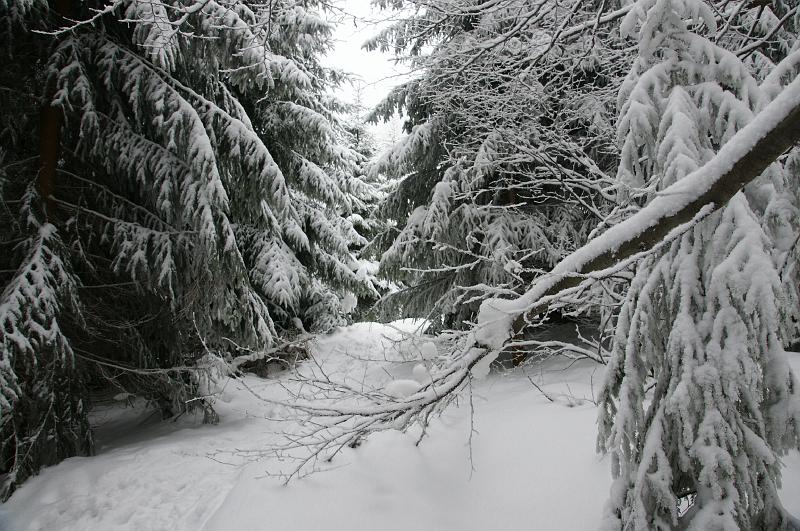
[509,141]
[699,402]
[367,192]
[197,200]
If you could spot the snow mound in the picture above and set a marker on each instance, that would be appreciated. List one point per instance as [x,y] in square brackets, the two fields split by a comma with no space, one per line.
[421,374]
[401,388]
[429,351]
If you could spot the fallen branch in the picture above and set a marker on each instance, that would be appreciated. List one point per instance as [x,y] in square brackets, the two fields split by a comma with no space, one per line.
[743,158]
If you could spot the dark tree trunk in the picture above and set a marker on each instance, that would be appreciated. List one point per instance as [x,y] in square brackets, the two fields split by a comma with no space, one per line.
[51,119]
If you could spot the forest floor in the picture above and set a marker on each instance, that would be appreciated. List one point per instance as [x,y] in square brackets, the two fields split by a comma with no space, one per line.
[532,464]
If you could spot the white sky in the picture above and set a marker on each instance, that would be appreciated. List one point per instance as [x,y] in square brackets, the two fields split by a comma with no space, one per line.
[376,70]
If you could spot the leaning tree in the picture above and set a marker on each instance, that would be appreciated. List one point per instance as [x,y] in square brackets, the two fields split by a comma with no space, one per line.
[699,401]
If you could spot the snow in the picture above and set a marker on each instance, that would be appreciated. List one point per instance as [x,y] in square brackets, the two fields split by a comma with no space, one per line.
[421,373]
[401,388]
[534,460]
[429,351]
[349,303]
[123,396]
[496,315]
[481,369]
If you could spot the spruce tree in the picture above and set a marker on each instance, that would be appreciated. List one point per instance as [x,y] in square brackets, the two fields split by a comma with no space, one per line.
[185,191]
[367,191]
[699,402]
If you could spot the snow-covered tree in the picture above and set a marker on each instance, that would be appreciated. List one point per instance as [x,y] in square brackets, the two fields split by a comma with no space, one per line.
[186,189]
[367,191]
[699,402]
[509,141]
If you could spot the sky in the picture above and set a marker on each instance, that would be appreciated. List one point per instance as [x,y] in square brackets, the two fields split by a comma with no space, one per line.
[375,70]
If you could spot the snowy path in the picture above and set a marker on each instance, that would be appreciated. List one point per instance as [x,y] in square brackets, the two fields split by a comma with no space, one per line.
[535,467]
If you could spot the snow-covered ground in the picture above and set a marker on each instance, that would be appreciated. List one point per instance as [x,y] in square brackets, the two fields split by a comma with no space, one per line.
[533,462]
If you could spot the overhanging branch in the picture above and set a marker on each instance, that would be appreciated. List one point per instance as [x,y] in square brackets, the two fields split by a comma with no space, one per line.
[743,158]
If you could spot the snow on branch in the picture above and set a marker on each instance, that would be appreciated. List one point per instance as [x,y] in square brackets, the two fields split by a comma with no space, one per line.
[773,131]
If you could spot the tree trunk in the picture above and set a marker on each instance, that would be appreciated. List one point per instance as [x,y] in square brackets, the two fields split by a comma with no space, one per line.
[50,121]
